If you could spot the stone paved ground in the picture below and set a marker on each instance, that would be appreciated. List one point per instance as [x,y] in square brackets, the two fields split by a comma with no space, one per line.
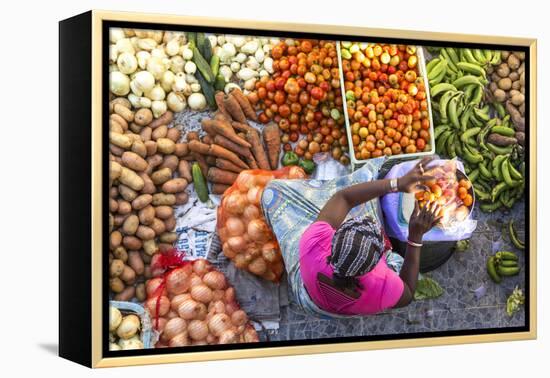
[457,309]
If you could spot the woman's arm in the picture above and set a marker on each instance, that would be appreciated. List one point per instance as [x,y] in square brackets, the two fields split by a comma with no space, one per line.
[422,220]
[339,205]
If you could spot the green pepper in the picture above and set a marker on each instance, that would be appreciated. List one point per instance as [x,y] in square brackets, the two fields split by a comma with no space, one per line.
[290,158]
[307,165]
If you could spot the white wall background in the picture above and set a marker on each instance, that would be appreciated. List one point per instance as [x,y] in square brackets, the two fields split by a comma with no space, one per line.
[29,185]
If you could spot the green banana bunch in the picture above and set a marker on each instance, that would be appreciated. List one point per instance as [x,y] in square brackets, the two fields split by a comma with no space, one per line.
[457,79]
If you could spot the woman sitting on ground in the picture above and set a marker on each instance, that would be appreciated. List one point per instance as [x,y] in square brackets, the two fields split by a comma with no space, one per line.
[343,264]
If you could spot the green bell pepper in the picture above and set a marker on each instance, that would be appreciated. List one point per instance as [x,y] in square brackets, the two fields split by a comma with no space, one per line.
[307,165]
[290,158]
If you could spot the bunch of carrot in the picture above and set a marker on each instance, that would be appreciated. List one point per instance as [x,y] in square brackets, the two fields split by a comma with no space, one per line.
[231,145]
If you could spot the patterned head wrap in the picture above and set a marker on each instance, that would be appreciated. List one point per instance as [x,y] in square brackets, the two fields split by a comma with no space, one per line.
[356,247]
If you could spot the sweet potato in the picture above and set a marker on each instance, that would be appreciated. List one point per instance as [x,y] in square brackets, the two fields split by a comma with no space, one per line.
[184,170]
[164,119]
[192,135]
[216,175]
[272,139]
[501,140]
[181,149]
[517,119]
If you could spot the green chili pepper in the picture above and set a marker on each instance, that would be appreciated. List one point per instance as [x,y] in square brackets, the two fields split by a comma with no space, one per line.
[307,165]
[290,158]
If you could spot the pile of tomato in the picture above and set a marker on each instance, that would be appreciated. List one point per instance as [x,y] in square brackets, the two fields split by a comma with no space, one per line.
[303,97]
[386,100]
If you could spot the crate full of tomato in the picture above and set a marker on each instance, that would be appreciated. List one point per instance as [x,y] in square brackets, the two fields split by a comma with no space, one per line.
[387,105]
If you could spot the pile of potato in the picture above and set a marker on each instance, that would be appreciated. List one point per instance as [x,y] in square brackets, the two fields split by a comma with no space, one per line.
[124,330]
[148,176]
[508,86]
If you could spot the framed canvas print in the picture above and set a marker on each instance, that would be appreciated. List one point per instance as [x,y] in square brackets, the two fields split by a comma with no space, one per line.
[235,189]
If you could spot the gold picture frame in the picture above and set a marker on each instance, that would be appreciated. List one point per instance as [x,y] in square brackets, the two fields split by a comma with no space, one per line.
[98,17]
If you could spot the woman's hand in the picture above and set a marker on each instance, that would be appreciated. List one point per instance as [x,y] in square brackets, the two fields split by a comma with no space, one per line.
[422,220]
[415,177]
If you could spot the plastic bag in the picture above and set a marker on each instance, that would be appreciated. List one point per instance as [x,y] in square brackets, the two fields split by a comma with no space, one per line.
[452,193]
[192,303]
[397,208]
[246,238]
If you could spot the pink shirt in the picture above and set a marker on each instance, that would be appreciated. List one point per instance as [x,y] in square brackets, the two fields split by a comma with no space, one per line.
[382,287]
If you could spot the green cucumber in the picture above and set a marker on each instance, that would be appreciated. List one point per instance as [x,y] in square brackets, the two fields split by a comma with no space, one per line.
[200,183]
[215,65]
[204,46]
[202,65]
[207,90]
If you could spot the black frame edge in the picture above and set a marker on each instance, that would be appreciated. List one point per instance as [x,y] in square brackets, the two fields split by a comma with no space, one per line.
[75,180]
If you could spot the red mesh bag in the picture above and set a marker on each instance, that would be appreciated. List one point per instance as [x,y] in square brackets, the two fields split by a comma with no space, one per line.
[246,237]
[192,303]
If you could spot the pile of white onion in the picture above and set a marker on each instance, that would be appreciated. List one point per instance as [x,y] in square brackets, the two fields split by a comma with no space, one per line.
[124,331]
[194,305]
[247,239]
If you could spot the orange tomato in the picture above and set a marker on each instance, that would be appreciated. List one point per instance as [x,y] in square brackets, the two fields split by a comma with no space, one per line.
[462,192]
[465,184]
[379,134]
[380,144]
[404,141]
[468,200]
[387,151]
[370,146]
[355,139]
[396,148]
[410,149]
[419,195]
[376,153]
[436,189]
[371,138]
[420,144]
[424,134]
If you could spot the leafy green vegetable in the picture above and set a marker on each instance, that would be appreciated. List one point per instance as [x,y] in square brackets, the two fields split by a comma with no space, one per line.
[426,288]
[514,301]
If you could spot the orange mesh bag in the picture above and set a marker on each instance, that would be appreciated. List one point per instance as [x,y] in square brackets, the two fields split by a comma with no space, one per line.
[246,237]
[192,303]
